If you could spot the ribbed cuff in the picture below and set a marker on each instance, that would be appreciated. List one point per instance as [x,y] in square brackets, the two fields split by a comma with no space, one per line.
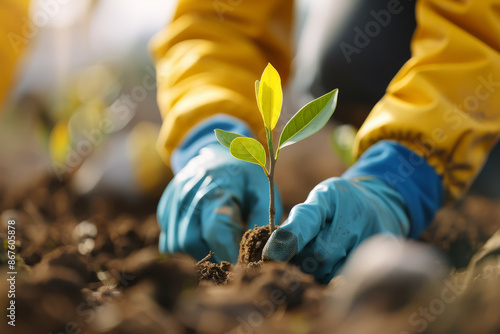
[202,135]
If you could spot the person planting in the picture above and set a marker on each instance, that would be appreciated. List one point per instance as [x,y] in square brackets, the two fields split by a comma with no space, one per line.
[421,146]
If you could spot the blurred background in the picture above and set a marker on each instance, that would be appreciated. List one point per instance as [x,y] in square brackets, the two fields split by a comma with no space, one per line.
[83,109]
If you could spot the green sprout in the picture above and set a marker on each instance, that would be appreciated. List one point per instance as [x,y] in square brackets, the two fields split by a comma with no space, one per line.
[342,141]
[307,121]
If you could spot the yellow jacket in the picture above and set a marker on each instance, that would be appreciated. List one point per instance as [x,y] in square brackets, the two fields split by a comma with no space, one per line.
[209,57]
[13,39]
[444,103]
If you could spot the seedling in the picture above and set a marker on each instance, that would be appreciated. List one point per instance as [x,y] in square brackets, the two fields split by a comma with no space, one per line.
[307,121]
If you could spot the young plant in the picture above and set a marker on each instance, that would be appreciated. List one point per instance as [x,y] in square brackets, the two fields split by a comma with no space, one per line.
[307,121]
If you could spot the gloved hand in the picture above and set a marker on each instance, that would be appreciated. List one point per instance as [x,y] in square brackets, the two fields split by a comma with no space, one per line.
[211,201]
[337,215]
[340,213]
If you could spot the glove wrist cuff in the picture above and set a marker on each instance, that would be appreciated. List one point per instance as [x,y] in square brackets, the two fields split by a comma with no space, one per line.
[203,135]
[407,173]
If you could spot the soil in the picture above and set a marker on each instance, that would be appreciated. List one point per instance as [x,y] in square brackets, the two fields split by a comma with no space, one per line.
[92,266]
[459,231]
[213,272]
[252,243]
[249,258]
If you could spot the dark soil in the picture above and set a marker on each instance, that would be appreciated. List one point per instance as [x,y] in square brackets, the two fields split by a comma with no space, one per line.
[461,230]
[249,258]
[92,266]
[252,243]
[213,272]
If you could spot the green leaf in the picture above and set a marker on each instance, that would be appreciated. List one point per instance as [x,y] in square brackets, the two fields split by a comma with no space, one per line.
[269,96]
[249,149]
[308,120]
[226,137]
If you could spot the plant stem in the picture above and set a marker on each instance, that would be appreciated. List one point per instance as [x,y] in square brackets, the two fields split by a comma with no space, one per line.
[272,209]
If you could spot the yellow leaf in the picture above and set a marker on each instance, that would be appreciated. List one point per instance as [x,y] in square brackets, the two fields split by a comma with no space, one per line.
[270,96]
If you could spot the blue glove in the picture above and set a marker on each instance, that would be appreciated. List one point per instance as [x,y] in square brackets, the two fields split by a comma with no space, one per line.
[213,197]
[389,190]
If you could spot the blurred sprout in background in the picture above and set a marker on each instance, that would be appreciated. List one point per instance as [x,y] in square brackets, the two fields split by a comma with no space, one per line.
[342,142]
[86,86]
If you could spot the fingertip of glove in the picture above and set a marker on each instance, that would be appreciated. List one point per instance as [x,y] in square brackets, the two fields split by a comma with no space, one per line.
[282,246]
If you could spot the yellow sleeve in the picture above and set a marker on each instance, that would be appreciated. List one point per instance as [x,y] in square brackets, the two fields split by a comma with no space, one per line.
[13,19]
[444,103]
[208,58]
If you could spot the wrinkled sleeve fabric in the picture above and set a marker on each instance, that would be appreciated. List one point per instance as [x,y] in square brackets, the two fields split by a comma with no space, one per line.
[208,58]
[13,40]
[444,104]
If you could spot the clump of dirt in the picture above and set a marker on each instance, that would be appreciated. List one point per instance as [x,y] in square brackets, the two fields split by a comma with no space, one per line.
[459,231]
[249,258]
[213,272]
[252,243]
[265,279]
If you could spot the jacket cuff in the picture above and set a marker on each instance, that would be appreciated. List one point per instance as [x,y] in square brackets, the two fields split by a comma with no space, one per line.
[409,174]
[202,135]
